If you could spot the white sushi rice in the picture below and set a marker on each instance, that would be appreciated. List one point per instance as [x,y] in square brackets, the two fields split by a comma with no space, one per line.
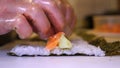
[78,46]
[20,50]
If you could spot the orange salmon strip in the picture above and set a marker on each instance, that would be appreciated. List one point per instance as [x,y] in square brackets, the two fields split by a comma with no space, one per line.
[53,41]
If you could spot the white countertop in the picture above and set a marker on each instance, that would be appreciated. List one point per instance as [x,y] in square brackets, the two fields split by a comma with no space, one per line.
[58,62]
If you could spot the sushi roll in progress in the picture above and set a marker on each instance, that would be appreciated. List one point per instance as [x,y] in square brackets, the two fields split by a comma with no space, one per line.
[58,45]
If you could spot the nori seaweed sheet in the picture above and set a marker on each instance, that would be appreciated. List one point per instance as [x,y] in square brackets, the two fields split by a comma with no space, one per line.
[111,49]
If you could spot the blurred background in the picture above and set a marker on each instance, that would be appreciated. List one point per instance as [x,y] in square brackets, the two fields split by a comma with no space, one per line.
[97,15]
[85,9]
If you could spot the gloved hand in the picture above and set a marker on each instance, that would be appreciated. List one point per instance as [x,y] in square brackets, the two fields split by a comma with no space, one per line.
[44,17]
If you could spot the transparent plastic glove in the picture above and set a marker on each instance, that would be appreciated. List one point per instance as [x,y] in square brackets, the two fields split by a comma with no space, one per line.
[45,17]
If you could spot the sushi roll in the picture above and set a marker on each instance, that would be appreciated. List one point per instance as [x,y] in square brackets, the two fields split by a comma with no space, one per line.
[79,47]
[52,48]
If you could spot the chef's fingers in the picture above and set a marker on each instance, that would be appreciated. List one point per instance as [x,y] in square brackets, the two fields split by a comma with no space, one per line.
[53,13]
[69,14]
[73,22]
[6,20]
[39,22]
[18,23]
[22,27]
[3,28]
[66,9]
[62,6]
